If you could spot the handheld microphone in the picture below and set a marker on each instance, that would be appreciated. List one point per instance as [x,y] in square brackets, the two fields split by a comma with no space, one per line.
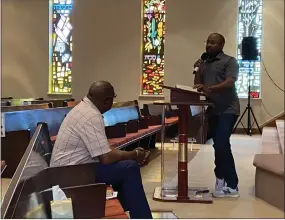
[204,56]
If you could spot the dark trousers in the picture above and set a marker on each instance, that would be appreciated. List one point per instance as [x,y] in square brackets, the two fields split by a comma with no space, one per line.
[125,177]
[220,128]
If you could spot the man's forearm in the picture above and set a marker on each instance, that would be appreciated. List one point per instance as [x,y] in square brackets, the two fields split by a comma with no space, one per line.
[117,155]
[228,83]
[197,79]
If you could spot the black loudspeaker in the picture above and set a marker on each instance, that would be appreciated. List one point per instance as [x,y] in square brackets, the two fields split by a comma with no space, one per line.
[249,48]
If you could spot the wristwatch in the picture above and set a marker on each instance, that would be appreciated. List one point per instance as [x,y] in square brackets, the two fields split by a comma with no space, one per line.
[137,151]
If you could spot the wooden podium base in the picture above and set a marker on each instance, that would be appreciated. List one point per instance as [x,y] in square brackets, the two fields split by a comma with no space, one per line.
[195,195]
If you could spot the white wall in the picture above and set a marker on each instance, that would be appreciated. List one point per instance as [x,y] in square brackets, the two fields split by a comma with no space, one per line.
[25,48]
[107,45]
[107,36]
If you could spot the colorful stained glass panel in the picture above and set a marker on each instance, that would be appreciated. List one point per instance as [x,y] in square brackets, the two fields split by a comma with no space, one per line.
[153,46]
[249,24]
[61,46]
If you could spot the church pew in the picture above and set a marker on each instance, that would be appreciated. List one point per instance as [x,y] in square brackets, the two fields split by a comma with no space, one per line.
[25,107]
[71,103]
[18,128]
[34,175]
[125,125]
[5,103]
[20,125]
[17,102]
[194,128]
[56,102]
[2,98]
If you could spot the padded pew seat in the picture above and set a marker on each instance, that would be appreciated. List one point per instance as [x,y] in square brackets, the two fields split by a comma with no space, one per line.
[133,137]
[114,209]
[170,121]
[119,142]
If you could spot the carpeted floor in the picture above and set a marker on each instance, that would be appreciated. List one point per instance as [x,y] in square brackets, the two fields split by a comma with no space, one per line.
[201,174]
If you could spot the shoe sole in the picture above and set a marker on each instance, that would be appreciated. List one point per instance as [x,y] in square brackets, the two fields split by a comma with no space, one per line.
[226,196]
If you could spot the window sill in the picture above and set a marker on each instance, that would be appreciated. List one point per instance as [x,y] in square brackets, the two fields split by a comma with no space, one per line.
[151,96]
[54,93]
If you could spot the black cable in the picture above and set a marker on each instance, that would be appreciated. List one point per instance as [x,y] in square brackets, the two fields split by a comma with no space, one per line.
[266,109]
[264,67]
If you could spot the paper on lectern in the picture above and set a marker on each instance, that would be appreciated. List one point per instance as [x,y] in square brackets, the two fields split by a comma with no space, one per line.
[188,88]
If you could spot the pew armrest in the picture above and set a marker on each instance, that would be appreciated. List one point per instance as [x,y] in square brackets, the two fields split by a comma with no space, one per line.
[88,201]
[273,163]
[73,175]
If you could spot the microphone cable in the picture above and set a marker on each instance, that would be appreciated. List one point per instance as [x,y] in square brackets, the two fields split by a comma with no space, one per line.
[264,67]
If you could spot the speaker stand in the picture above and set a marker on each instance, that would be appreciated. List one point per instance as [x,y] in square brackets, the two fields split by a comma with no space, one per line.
[249,112]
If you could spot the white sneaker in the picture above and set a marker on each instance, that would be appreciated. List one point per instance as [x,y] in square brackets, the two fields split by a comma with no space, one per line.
[220,183]
[227,192]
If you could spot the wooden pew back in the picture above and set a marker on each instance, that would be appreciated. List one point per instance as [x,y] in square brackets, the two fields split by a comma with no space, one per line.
[19,126]
[33,175]
[25,107]
[5,103]
[72,103]
[28,120]
[56,102]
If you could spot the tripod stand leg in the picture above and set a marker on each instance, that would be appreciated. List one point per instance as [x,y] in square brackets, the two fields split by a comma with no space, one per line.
[239,120]
[255,121]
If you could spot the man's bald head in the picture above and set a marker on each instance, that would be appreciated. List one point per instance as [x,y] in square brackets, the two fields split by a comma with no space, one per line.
[101,94]
[101,90]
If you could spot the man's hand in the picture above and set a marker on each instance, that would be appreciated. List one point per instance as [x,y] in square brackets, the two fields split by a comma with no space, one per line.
[198,63]
[143,156]
[3,164]
[202,88]
[140,154]
[146,159]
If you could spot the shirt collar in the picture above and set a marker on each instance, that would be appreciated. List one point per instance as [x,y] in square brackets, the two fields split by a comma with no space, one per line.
[217,57]
[220,55]
[87,101]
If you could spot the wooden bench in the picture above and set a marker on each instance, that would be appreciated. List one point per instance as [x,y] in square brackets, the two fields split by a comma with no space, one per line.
[71,103]
[196,129]
[25,107]
[125,125]
[55,102]
[19,127]
[5,103]
[77,181]
[17,102]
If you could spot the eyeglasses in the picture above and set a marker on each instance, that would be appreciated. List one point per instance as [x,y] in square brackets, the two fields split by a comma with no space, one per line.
[113,97]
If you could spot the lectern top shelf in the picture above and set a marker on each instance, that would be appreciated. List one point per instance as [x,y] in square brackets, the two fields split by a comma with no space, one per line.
[182,95]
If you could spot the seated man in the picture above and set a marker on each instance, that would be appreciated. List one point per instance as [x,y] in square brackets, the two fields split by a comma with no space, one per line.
[82,139]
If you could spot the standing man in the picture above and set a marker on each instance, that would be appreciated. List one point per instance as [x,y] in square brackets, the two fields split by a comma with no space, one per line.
[216,77]
[82,139]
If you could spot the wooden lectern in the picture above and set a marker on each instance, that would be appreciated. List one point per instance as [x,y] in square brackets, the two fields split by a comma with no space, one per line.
[182,193]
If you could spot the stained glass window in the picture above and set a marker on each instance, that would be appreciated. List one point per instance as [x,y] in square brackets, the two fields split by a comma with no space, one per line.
[153,46]
[249,24]
[60,46]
